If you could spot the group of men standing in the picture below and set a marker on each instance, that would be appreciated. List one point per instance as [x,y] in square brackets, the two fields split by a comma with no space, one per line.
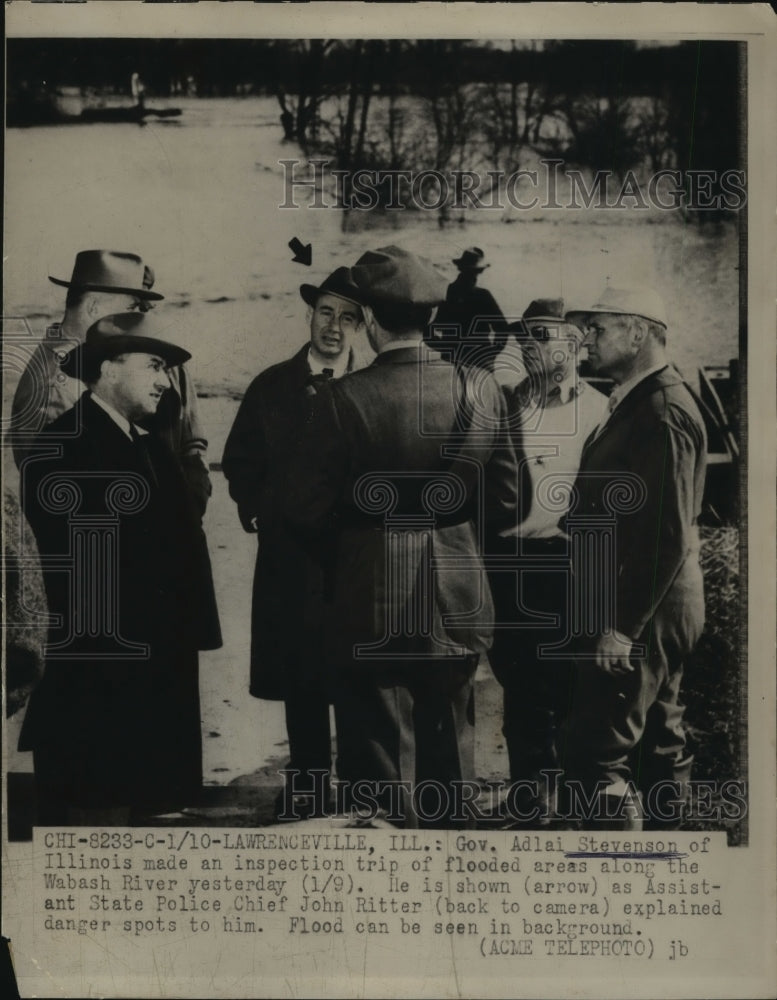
[414,516]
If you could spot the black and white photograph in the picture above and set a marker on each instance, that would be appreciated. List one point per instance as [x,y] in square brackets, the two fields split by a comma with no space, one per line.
[388,500]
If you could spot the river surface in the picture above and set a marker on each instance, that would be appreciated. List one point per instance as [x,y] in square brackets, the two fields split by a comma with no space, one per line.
[198,197]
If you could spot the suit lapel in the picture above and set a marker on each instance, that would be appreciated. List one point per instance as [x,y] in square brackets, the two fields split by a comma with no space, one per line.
[658,380]
[106,432]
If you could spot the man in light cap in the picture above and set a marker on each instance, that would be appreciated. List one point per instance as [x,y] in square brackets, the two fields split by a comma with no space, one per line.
[286,657]
[115,722]
[644,465]
[404,463]
[105,282]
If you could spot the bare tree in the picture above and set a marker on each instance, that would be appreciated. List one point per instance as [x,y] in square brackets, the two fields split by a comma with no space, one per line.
[654,135]
[302,95]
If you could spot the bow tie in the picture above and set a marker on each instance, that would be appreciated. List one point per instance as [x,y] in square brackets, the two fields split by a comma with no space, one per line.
[324,376]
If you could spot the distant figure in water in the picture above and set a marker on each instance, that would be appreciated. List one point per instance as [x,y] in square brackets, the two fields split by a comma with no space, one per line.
[469,319]
[138,89]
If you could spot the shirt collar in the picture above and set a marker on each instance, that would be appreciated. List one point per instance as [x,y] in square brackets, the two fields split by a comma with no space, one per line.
[117,418]
[396,345]
[558,395]
[340,367]
[566,391]
[620,392]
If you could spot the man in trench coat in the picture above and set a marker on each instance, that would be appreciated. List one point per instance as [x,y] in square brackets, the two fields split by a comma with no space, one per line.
[115,722]
[642,473]
[287,661]
[405,466]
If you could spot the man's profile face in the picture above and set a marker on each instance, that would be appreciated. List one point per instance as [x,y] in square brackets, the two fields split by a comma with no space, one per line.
[138,381]
[332,323]
[609,342]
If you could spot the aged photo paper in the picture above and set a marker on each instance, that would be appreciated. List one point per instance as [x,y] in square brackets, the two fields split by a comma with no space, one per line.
[218,176]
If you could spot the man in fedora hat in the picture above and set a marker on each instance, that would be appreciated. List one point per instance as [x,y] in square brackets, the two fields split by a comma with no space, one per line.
[105,282]
[644,466]
[552,412]
[115,721]
[469,320]
[403,465]
[286,658]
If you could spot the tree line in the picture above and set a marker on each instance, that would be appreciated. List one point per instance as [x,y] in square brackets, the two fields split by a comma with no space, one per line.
[392,104]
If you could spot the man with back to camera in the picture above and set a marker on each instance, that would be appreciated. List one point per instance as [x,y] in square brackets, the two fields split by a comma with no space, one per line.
[105,282]
[287,661]
[407,463]
[626,717]
[114,725]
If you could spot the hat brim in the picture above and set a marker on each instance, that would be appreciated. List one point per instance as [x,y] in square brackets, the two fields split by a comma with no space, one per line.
[558,320]
[310,293]
[578,317]
[123,344]
[140,293]
[521,328]
[469,267]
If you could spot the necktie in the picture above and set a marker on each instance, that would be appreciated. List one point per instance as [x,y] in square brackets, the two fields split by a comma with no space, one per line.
[140,442]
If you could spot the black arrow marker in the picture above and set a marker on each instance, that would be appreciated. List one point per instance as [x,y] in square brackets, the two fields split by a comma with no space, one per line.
[303,253]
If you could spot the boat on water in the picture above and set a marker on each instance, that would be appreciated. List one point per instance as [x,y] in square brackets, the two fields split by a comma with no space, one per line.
[68,106]
[133,114]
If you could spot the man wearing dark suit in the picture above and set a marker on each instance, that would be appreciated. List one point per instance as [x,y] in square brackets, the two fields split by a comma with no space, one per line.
[403,464]
[286,655]
[469,319]
[115,721]
[105,282]
[642,470]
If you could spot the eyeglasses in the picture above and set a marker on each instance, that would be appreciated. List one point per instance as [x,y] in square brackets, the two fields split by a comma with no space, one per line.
[540,333]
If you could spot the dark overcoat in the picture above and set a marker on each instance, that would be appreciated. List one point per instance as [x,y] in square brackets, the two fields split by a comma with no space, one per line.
[644,471]
[470,321]
[406,464]
[655,436]
[128,582]
[287,588]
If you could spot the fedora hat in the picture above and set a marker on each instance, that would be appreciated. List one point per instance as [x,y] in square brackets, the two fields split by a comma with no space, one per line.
[123,333]
[643,302]
[391,275]
[340,282]
[546,311]
[549,313]
[472,259]
[111,271]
